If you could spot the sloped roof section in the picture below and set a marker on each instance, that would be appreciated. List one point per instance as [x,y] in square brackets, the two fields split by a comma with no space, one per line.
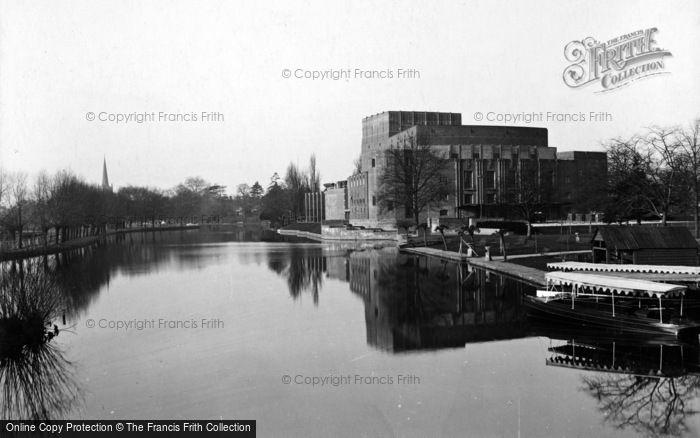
[641,237]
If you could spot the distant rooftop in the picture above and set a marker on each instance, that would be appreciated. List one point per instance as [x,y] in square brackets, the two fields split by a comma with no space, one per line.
[640,237]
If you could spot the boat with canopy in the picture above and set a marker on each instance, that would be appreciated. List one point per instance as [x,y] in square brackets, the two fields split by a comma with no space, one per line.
[625,305]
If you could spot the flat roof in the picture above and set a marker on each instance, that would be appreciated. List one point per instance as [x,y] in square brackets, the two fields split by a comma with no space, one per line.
[614,285]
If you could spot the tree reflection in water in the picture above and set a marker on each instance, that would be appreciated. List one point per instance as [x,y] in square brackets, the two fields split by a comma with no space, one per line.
[650,405]
[303,268]
[37,381]
[649,387]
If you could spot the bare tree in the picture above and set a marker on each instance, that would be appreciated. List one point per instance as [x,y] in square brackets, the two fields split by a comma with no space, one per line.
[532,191]
[651,173]
[634,193]
[15,217]
[42,194]
[664,150]
[690,145]
[314,175]
[3,185]
[357,166]
[411,177]
[297,182]
[652,406]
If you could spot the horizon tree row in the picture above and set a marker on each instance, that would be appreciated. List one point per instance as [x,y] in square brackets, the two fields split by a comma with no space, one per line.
[60,207]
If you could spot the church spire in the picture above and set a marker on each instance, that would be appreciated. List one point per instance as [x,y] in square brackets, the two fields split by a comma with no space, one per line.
[105,178]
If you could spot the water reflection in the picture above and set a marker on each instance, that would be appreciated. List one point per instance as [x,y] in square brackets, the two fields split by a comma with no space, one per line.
[411,302]
[651,406]
[416,303]
[80,274]
[650,388]
[37,381]
[303,268]
[40,297]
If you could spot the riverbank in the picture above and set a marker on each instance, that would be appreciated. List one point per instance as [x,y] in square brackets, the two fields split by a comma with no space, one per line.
[37,251]
[318,232]
[522,270]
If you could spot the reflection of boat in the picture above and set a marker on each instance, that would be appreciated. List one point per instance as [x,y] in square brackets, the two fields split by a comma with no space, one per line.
[621,304]
[626,358]
[640,383]
[592,350]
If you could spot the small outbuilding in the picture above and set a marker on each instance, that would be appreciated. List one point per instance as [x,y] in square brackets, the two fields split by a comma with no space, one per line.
[643,245]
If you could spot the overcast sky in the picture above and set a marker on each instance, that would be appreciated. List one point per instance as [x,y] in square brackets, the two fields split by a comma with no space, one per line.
[61,60]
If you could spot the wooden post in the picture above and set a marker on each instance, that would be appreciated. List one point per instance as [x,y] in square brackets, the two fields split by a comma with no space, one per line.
[612,295]
[661,320]
[613,361]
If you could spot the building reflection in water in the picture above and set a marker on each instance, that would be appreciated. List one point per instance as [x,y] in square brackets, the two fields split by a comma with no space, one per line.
[418,303]
[414,303]
[411,302]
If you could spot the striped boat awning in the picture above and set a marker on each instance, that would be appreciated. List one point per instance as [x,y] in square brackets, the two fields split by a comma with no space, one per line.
[615,285]
[609,267]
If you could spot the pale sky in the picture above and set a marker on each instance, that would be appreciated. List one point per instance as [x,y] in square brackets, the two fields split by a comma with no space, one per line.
[61,60]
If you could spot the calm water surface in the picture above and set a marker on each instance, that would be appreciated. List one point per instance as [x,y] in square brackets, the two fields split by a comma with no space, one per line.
[424,348]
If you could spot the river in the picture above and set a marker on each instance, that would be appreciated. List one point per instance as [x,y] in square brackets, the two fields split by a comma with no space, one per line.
[315,339]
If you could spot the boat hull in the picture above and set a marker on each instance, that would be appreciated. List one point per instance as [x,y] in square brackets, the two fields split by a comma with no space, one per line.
[599,316]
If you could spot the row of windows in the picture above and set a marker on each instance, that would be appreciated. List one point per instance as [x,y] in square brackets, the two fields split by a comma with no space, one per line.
[489,179]
[490,198]
[354,182]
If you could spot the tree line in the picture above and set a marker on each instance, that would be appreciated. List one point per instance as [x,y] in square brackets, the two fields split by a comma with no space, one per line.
[654,174]
[59,207]
[54,208]
[282,201]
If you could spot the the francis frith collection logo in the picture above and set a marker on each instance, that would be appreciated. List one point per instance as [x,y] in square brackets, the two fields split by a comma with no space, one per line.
[614,63]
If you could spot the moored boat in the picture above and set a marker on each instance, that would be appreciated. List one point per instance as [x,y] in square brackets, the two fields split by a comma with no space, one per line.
[622,305]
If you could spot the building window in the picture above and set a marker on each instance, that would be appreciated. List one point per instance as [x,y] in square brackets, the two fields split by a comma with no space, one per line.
[476,155]
[390,205]
[374,200]
[373,162]
[443,212]
[496,155]
[444,180]
[468,179]
[490,179]
[468,198]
